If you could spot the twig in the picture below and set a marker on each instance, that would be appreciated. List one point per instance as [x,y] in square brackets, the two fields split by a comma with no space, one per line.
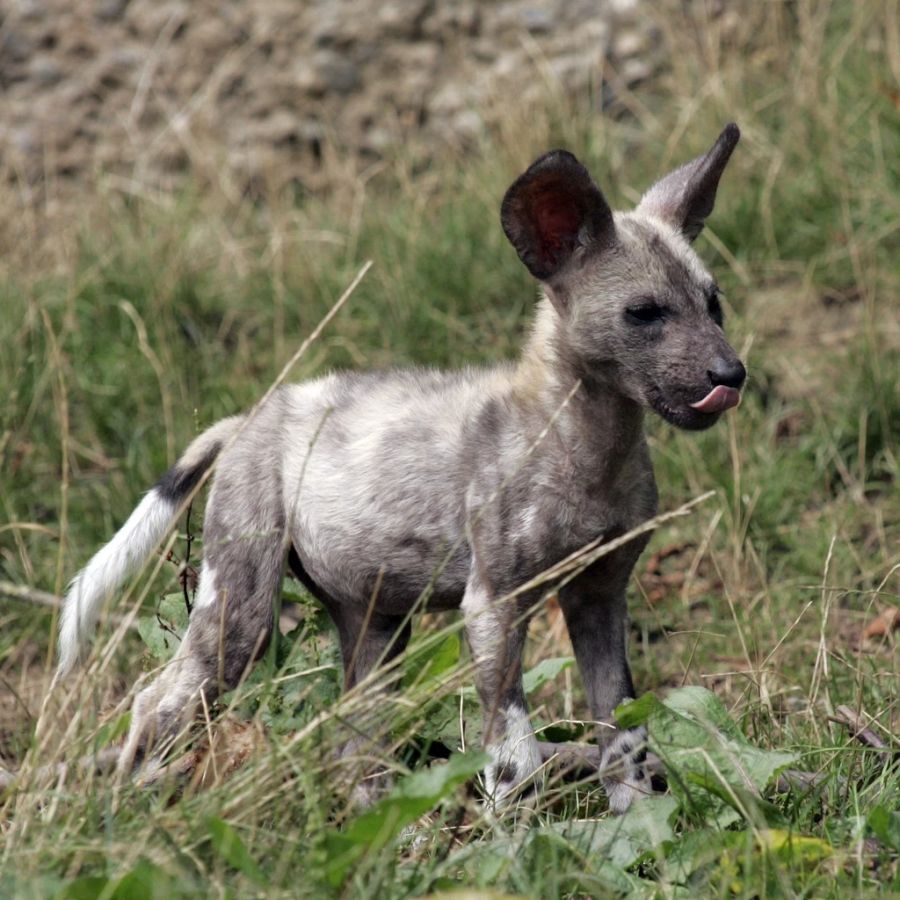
[184,575]
[101,763]
[858,729]
[29,595]
[40,598]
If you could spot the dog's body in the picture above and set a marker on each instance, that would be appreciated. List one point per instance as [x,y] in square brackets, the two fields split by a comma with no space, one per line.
[388,493]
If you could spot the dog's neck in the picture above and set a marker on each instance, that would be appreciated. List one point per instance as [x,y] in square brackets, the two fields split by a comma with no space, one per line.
[602,427]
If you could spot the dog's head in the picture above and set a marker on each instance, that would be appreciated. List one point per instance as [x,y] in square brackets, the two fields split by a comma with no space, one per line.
[638,310]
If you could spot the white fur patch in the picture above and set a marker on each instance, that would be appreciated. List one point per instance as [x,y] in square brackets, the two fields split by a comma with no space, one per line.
[206,588]
[517,753]
[624,778]
[107,570]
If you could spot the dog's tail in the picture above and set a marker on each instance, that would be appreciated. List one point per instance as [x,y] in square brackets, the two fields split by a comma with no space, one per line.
[134,542]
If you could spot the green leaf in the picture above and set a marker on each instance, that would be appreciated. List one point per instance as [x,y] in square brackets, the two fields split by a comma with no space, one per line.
[546,670]
[227,843]
[792,848]
[739,799]
[109,731]
[741,854]
[410,799]
[635,712]
[162,631]
[624,840]
[708,758]
[577,869]
[591,871]
[431,661]
[87,887]
[145,881]
[885,824]
[705,847]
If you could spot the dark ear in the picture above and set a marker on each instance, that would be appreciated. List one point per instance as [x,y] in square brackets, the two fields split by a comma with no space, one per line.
[685,197]
[551,209]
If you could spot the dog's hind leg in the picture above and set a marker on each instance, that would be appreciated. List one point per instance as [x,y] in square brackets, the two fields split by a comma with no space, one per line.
[369,640]
[232,619]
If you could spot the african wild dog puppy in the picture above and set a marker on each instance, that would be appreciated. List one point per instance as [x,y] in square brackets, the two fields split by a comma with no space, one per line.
[465,483]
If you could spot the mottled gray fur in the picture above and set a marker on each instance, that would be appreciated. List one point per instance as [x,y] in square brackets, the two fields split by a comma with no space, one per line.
[457,488]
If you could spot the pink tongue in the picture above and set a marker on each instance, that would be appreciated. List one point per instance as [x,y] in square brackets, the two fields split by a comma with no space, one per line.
[718,399]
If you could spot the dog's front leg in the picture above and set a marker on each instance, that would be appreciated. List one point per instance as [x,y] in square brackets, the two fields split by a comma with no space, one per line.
[596,616]
[496,633]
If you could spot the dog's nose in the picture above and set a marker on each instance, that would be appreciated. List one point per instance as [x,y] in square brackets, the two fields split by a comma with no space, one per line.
[728,372]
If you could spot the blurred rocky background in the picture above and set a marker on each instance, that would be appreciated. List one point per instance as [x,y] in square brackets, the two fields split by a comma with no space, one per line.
[260,92]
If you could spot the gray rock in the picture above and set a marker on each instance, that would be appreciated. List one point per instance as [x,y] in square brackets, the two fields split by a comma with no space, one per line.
[629,43]
[45,70]
[634,71]
[537,20]
[328,70]
[110,10]
[401,19]
[15,46]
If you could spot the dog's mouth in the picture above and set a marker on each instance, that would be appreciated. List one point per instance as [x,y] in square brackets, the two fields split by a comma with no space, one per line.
[701,413]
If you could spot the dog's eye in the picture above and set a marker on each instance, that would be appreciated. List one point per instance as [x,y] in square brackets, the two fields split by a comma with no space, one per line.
[645,313]
[715,309]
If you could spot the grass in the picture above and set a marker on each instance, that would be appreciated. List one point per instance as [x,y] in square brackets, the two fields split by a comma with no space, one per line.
[145,317]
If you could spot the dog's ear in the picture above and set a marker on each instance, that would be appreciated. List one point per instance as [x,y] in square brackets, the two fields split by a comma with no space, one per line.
[551,209]
[685,197]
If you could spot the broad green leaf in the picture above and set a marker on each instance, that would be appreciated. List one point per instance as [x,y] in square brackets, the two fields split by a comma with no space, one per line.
[794,848]
[109,731]
[441,721]
[735,854]
[561,733]
[294,592]
[701,746]
[431,661]
[704,847]
[228,844]
[635,712]
[86,887]
[624,840]
[546,670]
[163,630]
[591,870]
[145,881]
[740,800]
[411,798]
[885,823]
[584,873]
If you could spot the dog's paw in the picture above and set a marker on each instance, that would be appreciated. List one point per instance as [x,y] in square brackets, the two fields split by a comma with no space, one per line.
[623,769]
[511,776]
